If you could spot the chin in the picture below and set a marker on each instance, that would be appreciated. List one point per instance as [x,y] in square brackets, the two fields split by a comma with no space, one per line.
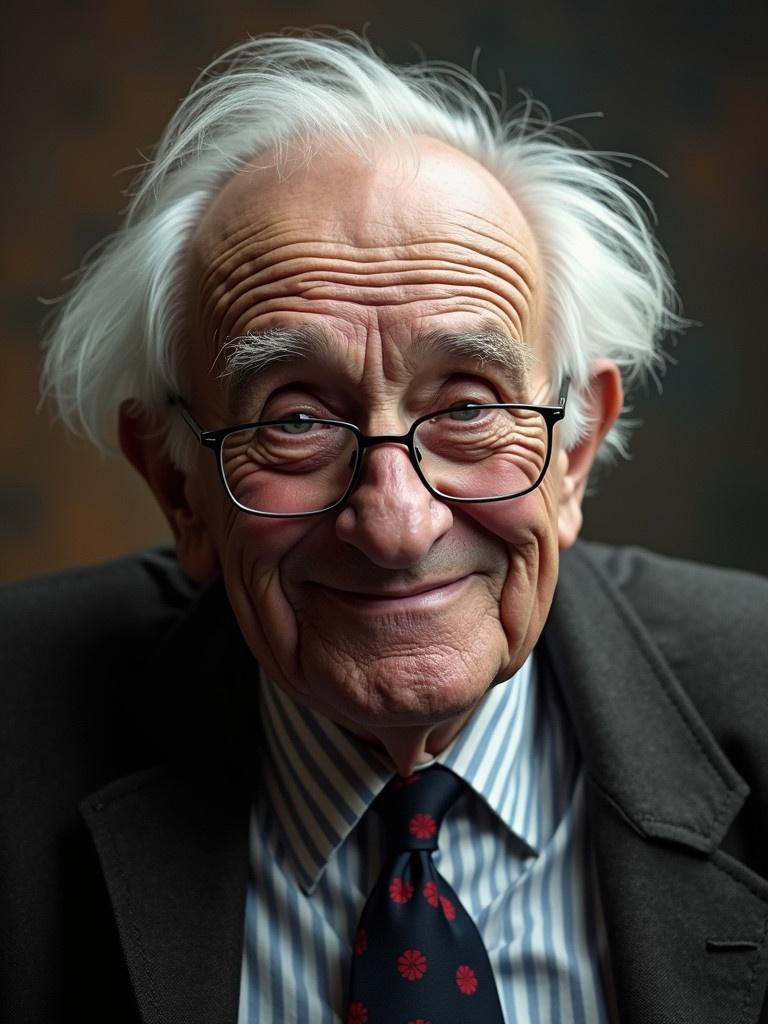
[424,689]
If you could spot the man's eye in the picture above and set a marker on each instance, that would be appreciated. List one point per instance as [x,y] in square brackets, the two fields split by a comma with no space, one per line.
[465,413]
[302,424]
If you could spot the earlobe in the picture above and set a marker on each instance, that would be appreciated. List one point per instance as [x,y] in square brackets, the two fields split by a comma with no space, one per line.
[604,402]
[141,441]
[569,516]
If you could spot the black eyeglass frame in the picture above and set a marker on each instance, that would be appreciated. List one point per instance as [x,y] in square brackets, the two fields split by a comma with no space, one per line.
[214,439]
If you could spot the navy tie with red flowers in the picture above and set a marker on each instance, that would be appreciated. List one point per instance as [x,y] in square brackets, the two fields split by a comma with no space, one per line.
[418,957]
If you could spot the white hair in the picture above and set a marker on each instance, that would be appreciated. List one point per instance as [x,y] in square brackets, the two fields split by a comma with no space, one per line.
[609,288]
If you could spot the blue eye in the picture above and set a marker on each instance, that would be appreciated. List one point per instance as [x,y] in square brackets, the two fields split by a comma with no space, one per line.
[302,424]
[465,413]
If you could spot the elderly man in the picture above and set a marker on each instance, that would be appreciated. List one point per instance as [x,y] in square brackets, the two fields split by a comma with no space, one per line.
[367,748]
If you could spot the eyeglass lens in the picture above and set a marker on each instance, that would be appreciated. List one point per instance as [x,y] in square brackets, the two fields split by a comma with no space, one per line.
[305,466]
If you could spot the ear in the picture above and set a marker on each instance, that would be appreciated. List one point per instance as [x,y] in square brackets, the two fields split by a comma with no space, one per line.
[604,401]
[141,440]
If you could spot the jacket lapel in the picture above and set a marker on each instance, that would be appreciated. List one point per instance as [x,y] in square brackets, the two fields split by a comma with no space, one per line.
[174,858]
[172,840]
[686,922]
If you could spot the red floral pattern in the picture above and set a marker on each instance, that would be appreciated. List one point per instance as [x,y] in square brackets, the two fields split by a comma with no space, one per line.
[412,964]
[430,894]
[357,1013]
[400,891]
[361,941]
[448,908]
[423,826]
[466,979]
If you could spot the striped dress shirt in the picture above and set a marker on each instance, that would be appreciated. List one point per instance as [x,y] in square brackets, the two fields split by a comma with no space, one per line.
[513,847]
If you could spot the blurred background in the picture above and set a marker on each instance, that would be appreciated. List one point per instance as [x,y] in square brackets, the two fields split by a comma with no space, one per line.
[87,87]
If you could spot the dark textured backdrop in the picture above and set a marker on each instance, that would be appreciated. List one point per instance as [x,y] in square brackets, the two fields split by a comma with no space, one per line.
[87,85]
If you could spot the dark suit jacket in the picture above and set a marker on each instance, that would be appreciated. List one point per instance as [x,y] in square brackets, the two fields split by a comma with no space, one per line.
[128,736]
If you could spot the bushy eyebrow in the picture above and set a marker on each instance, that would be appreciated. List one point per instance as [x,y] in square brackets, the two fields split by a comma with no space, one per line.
[487,345]
[247,356]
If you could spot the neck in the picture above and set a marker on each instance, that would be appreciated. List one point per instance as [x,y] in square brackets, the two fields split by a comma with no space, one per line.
[410,746]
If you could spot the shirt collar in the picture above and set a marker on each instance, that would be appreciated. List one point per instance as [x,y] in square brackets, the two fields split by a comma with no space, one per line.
[320,779]
[517,755]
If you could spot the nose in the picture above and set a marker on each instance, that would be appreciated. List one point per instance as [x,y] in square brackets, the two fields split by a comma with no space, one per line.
[390,516]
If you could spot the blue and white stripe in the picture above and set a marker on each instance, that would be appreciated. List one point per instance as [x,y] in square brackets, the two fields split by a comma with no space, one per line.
[514,847]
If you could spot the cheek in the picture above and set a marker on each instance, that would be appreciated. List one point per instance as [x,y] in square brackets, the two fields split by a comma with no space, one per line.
[266,540]
[253,550]
[527,527]
[252,553]
[520,523]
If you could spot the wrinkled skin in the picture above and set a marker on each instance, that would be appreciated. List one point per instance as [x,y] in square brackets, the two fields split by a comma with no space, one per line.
[395,614]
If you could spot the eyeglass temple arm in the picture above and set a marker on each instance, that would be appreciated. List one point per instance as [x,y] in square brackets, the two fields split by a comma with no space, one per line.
[565,383]
[187,416]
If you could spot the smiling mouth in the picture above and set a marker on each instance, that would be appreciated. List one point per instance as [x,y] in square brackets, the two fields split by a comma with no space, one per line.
[425,595]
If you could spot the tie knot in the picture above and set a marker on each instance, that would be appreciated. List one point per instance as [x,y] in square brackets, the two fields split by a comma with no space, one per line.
[413,807]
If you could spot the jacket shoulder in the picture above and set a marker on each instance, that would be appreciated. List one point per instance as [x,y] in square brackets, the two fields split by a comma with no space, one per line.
[670,594]
[64,626]
[709,624]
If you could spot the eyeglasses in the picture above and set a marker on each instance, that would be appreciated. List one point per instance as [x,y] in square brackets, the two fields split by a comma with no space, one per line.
[303,466]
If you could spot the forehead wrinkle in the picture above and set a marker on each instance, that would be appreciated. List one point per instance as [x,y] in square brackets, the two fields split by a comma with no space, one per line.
[233,256]
[520,250]
[291,265]
[242,253]
[250,249]
[488,344]
[256,241]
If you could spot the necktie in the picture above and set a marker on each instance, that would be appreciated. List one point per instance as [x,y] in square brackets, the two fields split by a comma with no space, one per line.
[417,955]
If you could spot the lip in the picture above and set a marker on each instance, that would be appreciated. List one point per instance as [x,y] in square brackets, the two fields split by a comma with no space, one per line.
[425,597]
